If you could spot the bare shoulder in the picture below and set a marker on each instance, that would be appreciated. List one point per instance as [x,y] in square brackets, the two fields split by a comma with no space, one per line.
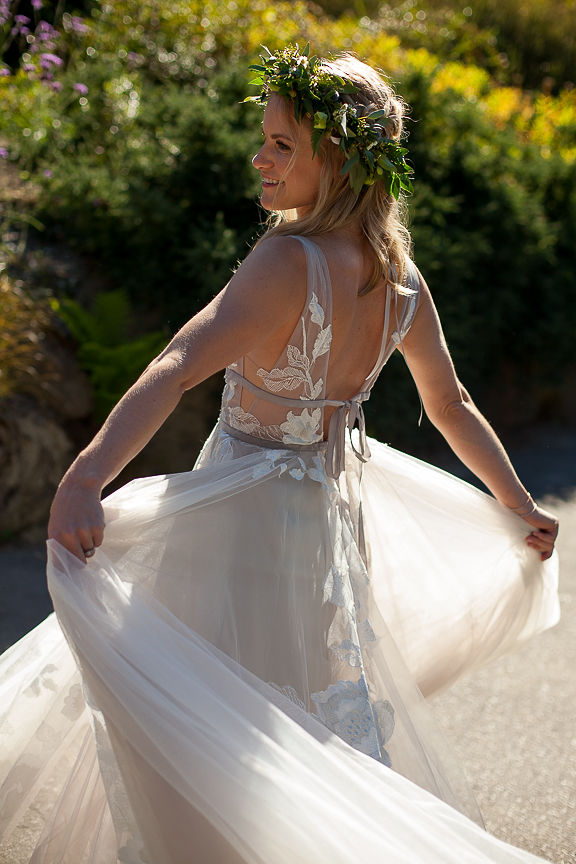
[272,277]
[425,320]
[277,265]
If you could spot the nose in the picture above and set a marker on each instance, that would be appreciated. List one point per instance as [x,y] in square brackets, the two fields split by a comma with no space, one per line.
[261,160]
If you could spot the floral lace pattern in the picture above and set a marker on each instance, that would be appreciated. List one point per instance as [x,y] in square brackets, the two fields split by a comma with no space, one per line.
[300,373]
[345,708]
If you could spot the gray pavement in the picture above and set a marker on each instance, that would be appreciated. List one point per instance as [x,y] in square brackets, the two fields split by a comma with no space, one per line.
[511,723]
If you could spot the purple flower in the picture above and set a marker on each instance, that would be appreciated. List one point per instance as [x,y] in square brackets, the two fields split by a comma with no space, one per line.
[3,153]
[29,67]
[47,60]
[78,25]
[56,85]
[48,173]
[37,4]
[21,19]
[81,88]
[44,42]
[4,72]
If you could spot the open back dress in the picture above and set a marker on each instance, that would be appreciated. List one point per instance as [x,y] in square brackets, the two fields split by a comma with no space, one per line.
[237,674]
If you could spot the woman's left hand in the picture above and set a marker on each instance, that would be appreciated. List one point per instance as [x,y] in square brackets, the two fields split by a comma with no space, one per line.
[544,532]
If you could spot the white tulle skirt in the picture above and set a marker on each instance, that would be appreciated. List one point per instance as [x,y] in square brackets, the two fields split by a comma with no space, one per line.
[237,678]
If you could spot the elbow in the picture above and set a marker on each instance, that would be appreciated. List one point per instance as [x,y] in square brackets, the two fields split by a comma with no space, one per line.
[170,369]
[449,412]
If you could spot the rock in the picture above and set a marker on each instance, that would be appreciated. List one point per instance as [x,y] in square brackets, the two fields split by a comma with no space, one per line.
[177,443]
[60,384]
[34,453]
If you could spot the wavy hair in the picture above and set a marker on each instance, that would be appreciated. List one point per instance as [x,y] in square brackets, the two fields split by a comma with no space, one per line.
[381,218]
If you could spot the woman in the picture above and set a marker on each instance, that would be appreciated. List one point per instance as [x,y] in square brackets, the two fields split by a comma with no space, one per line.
[232,625]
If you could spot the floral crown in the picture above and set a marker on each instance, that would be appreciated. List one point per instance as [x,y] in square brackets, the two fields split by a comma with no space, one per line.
[318,94]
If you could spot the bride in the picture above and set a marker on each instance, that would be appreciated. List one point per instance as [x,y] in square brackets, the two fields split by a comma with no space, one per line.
[247,644]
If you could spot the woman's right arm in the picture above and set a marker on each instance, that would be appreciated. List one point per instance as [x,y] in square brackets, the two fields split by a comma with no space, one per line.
[260,299]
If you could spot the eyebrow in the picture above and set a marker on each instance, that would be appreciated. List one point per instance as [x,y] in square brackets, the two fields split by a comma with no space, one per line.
[276,135]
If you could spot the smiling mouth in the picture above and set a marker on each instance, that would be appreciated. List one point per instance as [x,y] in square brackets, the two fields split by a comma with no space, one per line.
[267,182]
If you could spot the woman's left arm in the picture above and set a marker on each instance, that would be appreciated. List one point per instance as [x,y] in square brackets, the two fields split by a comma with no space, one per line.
[450,408]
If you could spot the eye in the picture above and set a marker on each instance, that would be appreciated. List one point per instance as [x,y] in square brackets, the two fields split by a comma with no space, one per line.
[285,148]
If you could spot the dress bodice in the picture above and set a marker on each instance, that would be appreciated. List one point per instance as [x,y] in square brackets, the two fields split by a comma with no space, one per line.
[287,404]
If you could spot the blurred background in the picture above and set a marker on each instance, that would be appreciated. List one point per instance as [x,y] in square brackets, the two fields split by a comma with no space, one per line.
[127,197]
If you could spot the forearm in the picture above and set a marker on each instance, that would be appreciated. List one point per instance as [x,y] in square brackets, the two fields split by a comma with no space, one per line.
[476,444]
[129,427]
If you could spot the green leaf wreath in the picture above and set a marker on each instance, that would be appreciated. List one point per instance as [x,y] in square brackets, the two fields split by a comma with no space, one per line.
[317,94]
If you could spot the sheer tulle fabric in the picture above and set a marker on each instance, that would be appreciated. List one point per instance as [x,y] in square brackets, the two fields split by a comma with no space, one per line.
[208,675]
[249,637]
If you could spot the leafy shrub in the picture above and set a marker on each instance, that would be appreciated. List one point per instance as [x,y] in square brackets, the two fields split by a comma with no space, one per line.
[147,167]
[107,351]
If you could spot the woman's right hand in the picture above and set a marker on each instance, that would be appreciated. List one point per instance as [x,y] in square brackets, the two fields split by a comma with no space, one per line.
[77,517]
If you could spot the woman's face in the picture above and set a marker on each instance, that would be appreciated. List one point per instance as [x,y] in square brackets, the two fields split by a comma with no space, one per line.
[290,174]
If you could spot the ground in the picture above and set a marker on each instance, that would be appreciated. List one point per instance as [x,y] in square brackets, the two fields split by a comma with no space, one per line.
[511,723]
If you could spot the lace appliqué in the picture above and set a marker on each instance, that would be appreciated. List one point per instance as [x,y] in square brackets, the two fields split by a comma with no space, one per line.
[278,461]
[301,427]
[345,708]
[297,427]
[290,694]
[298,372]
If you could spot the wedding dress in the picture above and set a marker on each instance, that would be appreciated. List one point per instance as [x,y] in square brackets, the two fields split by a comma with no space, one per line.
[238,678]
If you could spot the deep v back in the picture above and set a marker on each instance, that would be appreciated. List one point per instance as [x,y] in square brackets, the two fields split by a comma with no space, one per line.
[287,403]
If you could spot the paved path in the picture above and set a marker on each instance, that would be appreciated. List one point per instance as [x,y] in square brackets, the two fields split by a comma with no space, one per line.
[512,723]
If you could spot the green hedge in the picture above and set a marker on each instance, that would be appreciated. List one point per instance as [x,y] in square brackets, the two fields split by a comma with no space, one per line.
[149,171]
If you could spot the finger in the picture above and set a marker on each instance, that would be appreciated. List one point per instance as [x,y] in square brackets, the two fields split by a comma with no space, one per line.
[72,543]
[541,544]
[86,540]
[98,535]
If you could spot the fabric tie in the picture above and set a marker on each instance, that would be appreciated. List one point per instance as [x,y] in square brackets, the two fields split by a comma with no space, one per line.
[345,417]
[348,412]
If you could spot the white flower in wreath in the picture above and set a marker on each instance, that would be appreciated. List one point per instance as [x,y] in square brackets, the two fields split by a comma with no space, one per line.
[301,428]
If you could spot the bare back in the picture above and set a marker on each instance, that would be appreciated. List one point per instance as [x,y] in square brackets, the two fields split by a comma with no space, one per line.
[331,353]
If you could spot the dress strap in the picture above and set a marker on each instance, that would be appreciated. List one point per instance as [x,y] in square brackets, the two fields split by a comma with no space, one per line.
[348,412]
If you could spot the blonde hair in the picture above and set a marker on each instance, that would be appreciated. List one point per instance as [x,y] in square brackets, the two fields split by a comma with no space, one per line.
[380,217]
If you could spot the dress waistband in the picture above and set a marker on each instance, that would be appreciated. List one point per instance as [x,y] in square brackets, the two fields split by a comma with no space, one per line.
[347,413]
[269,443]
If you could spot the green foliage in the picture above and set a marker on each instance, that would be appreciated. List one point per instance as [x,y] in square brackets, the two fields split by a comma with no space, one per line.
[530,42]
[149,170]
[23,321]
[112,358]
[371,156]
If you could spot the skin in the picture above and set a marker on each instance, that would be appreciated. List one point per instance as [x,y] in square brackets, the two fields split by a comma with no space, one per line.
[290,173]
[254,316]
